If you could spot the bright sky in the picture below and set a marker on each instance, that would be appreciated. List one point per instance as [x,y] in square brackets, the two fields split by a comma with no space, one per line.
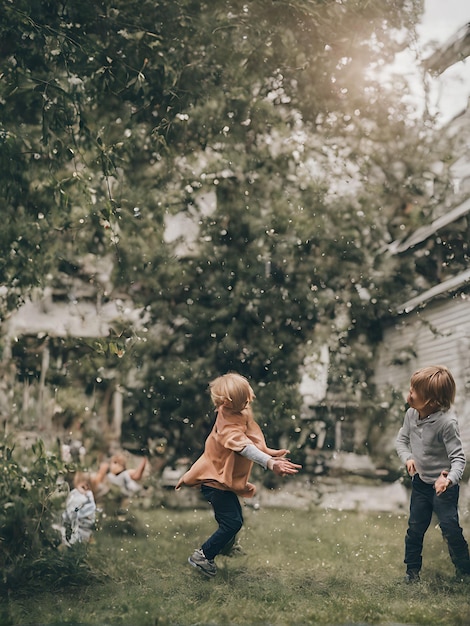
[442,19]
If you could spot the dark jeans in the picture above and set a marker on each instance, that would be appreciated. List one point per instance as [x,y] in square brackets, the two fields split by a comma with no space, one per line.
[424,502]
[228,514]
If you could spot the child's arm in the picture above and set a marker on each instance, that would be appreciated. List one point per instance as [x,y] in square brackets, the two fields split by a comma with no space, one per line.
[277,453]
[136,474]
[456,456]
[254,454]
[281,466]
[403,447]
[100,475]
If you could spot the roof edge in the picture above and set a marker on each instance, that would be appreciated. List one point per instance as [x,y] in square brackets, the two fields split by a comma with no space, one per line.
[422,233]
[448,285]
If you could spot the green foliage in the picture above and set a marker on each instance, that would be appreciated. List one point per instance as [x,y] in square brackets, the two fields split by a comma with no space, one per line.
[118,117]
[31,498]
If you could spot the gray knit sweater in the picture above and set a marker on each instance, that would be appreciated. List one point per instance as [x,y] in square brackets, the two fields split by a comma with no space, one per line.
[433,443]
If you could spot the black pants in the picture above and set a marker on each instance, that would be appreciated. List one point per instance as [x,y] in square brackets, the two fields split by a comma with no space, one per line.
[424,502]
[229,516]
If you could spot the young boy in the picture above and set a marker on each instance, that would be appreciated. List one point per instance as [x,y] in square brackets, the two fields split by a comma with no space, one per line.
[223,470]
[429,445]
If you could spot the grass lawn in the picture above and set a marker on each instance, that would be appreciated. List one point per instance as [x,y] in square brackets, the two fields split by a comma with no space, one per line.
[316,567]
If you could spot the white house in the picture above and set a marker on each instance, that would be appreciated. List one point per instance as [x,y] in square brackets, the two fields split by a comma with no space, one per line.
[434,326]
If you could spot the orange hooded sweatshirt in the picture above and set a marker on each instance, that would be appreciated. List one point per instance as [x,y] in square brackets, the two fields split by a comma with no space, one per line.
[220,465]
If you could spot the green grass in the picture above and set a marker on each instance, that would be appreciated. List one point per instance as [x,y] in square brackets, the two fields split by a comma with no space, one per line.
[317,567]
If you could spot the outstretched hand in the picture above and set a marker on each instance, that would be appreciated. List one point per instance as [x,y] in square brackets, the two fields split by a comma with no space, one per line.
[277,454]
[284,467]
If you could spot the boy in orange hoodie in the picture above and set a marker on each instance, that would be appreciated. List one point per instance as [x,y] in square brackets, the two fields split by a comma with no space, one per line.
[222,471]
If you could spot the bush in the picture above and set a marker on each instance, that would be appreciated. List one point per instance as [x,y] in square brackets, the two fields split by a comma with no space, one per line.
[31,498]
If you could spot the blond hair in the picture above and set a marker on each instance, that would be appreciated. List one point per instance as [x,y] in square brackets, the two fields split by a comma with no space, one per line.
[119,458]
[81,477]
[436,385]
[232,391]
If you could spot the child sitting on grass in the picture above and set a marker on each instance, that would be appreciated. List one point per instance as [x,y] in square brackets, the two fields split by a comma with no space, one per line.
[430,447]
[80,511]
[223,470]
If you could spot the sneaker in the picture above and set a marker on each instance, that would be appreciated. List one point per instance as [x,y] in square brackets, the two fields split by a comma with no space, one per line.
[412,576]
[206,566]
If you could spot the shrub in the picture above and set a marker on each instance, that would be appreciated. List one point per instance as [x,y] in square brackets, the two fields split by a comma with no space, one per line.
[31,497]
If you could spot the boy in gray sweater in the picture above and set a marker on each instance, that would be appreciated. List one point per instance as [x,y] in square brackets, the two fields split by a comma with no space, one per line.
[429,445]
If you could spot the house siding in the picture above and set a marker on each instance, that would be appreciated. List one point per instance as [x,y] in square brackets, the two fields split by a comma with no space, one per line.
[434,326]
[438,334]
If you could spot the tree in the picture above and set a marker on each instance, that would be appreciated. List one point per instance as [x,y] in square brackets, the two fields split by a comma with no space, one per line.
[125,114]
